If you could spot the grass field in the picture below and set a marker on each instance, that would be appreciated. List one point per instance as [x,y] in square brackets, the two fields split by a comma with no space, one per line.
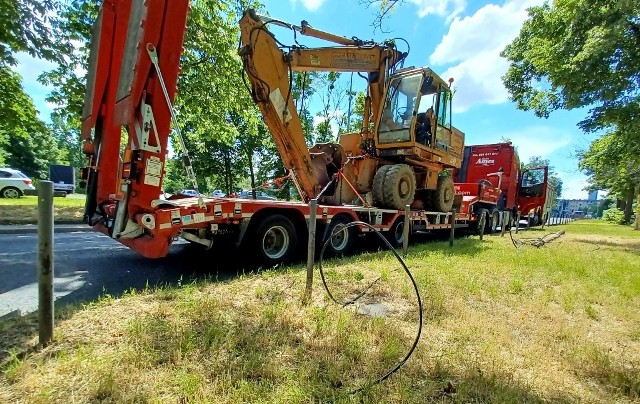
[560,323]
[25,209]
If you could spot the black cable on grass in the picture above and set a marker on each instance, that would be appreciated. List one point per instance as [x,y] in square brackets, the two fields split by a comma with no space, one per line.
[406,270]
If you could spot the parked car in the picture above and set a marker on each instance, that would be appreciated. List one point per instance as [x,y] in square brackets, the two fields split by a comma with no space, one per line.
[189,192]
[247,194]
[14,183]
[218,194]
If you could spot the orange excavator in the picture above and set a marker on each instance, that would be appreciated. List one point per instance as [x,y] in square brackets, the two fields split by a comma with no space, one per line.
[400,162]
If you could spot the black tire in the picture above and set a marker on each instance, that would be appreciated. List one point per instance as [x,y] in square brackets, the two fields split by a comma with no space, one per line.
[10,192]
[493,221]
[399,186]
[395,235]
[442,197]
[378,185]
[275,240]
[342,240]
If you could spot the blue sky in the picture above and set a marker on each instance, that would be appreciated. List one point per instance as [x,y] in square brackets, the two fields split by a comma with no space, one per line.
[456,38]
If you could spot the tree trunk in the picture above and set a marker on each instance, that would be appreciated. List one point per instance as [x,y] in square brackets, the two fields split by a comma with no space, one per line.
[628,204]
[252,174]
[636,223]
[227,173]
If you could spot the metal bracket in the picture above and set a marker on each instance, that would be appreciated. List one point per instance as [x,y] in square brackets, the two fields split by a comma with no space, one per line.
[148,123]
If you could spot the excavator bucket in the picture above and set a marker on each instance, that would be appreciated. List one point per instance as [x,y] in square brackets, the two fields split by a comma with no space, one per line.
[326,160]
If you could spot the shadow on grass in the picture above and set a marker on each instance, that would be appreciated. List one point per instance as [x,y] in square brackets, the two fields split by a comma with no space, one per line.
[630,246]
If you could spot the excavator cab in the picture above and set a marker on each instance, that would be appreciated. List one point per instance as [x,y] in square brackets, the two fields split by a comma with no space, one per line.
[416,118]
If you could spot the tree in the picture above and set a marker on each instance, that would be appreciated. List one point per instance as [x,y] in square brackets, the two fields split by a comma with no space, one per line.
[611,164]
[25,141]
[583,53]
[578,53]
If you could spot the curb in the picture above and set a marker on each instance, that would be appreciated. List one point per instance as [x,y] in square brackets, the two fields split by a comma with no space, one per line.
[33,228]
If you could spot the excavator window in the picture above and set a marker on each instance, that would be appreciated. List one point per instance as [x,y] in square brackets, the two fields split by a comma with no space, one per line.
[398,110]
[444,117]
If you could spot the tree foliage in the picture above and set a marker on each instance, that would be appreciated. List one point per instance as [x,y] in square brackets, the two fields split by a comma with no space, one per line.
[585,54]
[25,27]
[578,53]
[611,163]
[25,140]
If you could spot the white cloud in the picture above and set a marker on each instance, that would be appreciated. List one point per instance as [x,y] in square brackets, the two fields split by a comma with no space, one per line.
[473,45]
[444,8]
[537,140]
[311,5]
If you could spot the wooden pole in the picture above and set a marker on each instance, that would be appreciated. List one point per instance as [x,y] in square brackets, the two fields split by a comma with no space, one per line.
[311,250]
[517,222]
[45,262]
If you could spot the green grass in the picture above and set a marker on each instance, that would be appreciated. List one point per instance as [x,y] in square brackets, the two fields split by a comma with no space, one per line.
[74,200]
[560,323]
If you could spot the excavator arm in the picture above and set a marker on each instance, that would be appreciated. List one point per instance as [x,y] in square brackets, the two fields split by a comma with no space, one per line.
[269,66]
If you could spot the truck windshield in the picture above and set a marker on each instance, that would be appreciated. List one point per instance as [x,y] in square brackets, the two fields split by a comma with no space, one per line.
[398,109]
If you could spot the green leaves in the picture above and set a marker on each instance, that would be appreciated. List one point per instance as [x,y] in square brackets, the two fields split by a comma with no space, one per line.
[576,53]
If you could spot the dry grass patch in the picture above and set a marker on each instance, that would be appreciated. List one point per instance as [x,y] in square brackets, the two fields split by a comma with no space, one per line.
[560,323]
[20,214]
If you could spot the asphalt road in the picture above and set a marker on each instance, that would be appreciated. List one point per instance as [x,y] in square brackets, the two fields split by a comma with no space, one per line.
[89,264]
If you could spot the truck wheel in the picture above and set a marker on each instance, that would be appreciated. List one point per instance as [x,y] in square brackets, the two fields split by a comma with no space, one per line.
[378,185]
[395,235]
[10,192]
[275,240]
[442,200]
[342,239]
[399,186]
[493,221]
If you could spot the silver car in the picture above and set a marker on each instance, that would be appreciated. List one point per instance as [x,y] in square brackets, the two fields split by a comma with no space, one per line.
[14,183]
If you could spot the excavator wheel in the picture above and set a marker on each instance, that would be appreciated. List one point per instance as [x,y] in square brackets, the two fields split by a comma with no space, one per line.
[378,183]
[442,197]
[399,186]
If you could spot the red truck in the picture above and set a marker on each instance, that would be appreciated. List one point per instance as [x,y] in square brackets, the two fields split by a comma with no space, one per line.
[491,182]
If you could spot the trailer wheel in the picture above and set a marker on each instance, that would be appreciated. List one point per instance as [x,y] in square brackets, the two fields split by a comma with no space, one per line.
[378,185]
[342,238]
[443,195]
[399,186]
[275,240]
[395,235]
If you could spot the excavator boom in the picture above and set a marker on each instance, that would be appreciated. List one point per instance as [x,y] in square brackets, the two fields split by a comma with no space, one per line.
[269,70]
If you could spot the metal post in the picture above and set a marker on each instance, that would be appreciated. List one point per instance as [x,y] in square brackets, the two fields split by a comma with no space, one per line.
[517,222]
[453,227]
[481,224]
[505,222]
[311,250]
[528,221]
[405,231]
[45,262]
